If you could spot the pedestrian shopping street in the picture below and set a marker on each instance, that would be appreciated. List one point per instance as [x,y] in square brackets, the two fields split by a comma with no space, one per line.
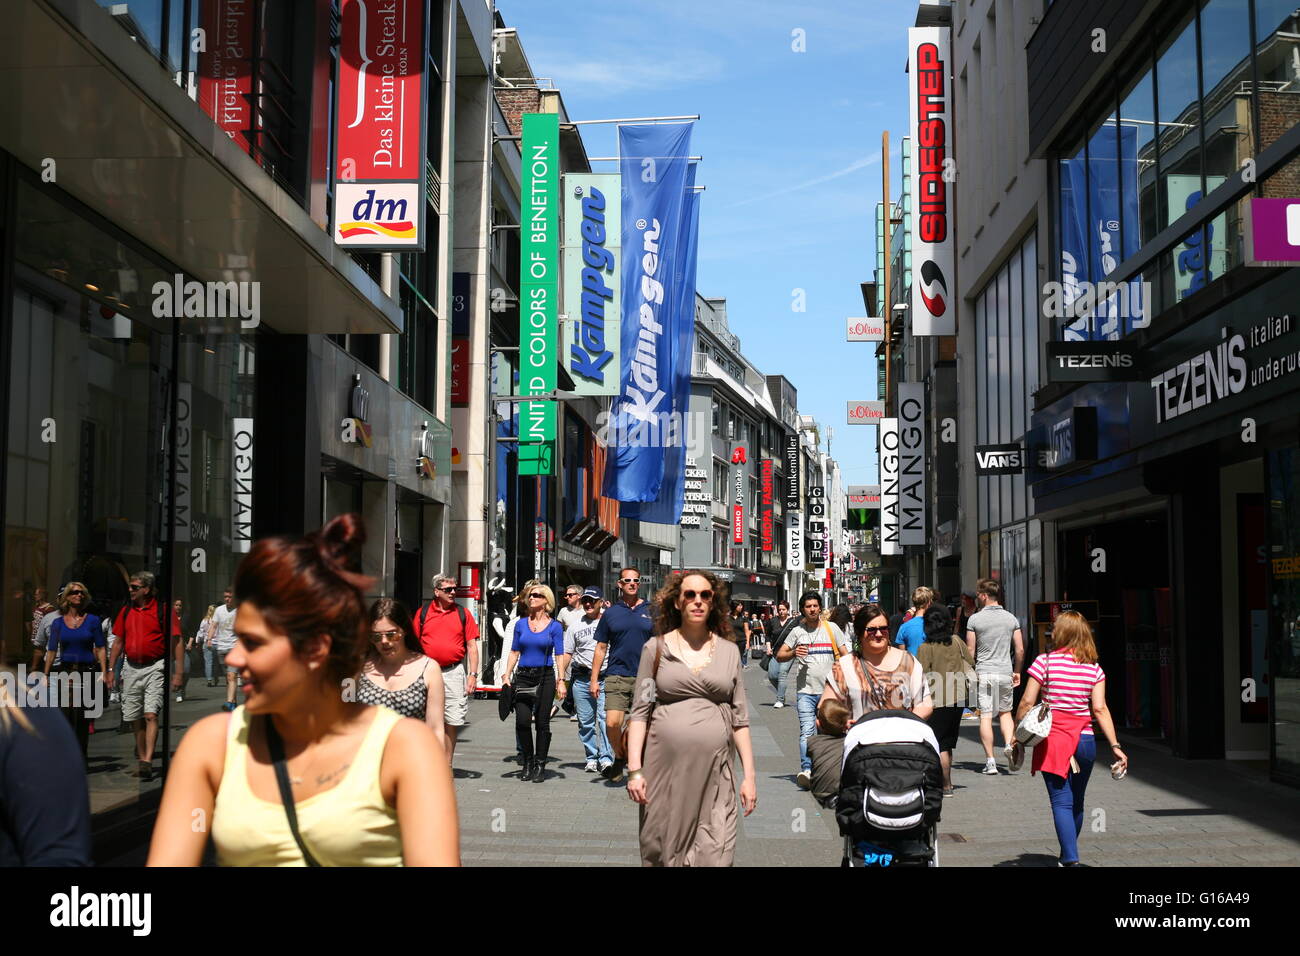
[1166,812]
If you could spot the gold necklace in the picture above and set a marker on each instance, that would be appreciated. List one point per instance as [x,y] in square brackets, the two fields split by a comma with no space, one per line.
[683,654]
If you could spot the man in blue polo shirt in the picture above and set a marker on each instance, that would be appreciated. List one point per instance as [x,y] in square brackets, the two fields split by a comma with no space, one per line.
[621,634]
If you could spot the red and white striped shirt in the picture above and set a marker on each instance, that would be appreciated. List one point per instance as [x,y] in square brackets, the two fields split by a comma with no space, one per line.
[1067,684]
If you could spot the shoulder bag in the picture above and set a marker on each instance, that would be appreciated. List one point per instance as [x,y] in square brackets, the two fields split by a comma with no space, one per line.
[1037,724]
[276,746]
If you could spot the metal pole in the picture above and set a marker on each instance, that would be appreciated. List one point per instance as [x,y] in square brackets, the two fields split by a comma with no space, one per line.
[615,159]
[635,119]
[889,222]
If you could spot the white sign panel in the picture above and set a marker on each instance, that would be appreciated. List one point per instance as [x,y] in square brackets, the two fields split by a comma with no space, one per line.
[933,292]
[794,541]
[911,463]
[890,542]
[866,329]
[241,485]
[184,473]
[866,413]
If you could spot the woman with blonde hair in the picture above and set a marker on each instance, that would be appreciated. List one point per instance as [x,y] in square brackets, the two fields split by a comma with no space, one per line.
[209,653]
[690,716]
[537,645]
[44,800]
[1075,686]
[77,641]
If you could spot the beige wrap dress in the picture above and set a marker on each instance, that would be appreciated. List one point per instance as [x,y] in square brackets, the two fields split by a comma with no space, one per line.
[689,818]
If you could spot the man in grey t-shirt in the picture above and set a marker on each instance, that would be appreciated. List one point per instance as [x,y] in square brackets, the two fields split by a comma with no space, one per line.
[992,635]
[814,645]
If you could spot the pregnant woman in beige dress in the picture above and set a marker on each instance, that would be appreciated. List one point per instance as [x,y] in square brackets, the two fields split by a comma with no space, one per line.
[690,716]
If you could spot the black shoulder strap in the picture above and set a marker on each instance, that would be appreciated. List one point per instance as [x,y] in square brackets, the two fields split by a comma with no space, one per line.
[276,746]
[460,613]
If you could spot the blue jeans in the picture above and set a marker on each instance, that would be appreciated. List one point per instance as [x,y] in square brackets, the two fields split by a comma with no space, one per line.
[591,721]
[807,709]
[776,675]
[1066,795]
[211,669]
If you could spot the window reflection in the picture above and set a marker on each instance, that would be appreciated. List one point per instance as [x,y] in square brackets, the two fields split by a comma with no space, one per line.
[1277,59]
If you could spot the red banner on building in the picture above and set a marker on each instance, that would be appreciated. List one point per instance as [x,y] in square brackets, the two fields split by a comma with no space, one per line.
[225,66]
[459,372]
[766,481]
[737,524]
[379,127]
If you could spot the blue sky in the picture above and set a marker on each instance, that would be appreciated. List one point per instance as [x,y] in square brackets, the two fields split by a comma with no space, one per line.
[791,147]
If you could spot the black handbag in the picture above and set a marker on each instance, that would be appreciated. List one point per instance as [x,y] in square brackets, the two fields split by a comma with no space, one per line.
[276,746]
[506,701]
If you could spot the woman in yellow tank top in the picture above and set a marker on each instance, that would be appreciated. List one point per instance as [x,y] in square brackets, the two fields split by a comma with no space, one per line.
[369,788]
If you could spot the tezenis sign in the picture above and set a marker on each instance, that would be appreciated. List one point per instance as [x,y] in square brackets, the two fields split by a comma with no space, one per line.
[379,140]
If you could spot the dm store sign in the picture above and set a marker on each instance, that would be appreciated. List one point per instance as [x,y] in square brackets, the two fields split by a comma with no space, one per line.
[379,131]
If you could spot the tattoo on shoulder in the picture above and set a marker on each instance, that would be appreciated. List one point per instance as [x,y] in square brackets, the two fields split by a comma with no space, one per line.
[325,778]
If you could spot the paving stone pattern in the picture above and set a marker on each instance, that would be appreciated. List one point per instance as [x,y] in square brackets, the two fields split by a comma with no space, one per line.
[1165,812]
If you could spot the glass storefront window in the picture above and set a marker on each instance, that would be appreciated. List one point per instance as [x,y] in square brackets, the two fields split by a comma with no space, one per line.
[1137,176]
[1284,605]
[1277,63]
[1226,75]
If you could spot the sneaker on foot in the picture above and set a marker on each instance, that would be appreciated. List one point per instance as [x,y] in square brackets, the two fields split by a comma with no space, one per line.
[1015,756]
[613,770]
[228,705]
[605,765]
[990,767]
[779,703]
[573,719]
[591,767]
[804,780]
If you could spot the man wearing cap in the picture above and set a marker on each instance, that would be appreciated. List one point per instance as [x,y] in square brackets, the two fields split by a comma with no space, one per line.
[580,645]
[569,615]
[620,636]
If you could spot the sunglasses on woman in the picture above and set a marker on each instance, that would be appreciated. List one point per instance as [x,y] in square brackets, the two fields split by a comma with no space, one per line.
[876,630]
[542,596]
[73,591]
[380,635]
[705,595]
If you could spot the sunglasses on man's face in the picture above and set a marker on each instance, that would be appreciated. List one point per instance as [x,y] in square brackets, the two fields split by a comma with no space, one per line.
[135,587]
[629,580]
[444,589]
[705,595]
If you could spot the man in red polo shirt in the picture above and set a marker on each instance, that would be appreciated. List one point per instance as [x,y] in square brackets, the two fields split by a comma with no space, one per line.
[140,637]
[449,634]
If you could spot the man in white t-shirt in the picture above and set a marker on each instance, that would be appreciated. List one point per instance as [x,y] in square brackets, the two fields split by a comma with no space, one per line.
[993,636]
[221,637]
[568,616]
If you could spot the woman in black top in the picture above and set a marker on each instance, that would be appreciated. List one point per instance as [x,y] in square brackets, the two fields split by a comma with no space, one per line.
[44,801]
[396,673]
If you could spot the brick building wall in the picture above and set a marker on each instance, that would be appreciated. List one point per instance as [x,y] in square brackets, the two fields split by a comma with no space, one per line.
[1278,112]
[515,103]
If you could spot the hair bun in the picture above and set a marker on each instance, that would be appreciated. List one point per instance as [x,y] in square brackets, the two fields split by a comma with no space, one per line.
[340,541]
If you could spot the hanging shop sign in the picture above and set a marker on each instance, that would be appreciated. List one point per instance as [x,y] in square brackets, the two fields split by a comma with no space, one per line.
[1093,362]
[792,502]
[794,553]
[816,527]
[766,481]
[1273,232]
[866,413]
[696,504]
[868,329]
[184,472]
[1063,442]
[890,542]
[592,259]
[1000,459]
[225,67]
[738,496]
[912,499]
[933,292]
[241,485]
[539,256]
[379,139]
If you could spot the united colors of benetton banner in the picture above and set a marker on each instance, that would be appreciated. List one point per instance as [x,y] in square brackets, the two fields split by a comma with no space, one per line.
[379,137]
[668,504]
[539,289]
[934,290]
[654,165]
[592,239]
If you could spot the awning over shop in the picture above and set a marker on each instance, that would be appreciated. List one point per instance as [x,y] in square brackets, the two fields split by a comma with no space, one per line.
[130,144]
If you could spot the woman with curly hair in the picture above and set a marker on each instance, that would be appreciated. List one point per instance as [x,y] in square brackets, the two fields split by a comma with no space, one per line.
[300,774]
[690,716]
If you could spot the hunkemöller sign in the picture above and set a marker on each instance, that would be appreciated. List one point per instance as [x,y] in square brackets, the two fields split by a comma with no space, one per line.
[379,140]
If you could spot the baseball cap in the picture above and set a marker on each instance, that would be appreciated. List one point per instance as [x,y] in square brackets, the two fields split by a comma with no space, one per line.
[593,593]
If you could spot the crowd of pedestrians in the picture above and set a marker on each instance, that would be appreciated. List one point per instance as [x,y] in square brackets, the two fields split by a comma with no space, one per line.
[336,739]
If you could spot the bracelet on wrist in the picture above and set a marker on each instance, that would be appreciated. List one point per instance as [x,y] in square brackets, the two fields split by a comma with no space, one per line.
[635,775]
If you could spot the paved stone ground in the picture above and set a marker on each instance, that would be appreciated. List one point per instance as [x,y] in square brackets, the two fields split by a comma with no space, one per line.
[1165,812]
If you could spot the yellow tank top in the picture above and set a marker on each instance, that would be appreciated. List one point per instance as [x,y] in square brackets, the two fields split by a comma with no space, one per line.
[347,825]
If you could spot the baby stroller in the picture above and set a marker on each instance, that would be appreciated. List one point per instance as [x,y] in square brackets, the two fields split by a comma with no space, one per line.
[891,791]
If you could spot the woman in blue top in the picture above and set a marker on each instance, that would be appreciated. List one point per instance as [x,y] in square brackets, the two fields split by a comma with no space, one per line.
[536,645]
[77,640]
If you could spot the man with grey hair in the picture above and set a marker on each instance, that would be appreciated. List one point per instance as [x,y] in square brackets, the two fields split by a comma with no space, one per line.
[140,638]
[449,634]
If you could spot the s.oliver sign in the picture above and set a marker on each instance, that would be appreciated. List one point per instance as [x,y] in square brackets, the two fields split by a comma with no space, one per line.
[866,329]
[379,142]
[866,413]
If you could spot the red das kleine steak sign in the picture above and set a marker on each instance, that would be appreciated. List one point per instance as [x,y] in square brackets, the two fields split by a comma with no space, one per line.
[379,125]
[225,74]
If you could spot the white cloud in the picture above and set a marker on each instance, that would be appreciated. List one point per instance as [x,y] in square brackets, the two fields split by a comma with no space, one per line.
[852,167]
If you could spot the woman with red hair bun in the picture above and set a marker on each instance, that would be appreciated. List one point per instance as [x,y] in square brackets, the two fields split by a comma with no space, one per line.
[302,774]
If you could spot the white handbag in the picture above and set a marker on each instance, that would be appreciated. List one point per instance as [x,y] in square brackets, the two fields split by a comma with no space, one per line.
[1037,724]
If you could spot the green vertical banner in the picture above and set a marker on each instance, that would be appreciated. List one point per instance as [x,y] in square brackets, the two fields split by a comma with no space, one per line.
[539,290]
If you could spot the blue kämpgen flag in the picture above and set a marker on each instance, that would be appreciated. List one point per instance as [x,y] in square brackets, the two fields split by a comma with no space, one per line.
[654,165]
[667,506]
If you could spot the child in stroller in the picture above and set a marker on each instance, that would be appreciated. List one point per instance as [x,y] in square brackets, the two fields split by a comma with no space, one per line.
[891,791]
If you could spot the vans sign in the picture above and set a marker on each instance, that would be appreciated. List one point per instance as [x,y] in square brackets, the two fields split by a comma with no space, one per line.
[999,459]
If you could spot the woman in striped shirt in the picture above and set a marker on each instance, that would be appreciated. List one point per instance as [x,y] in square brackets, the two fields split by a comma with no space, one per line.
[1075,686]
